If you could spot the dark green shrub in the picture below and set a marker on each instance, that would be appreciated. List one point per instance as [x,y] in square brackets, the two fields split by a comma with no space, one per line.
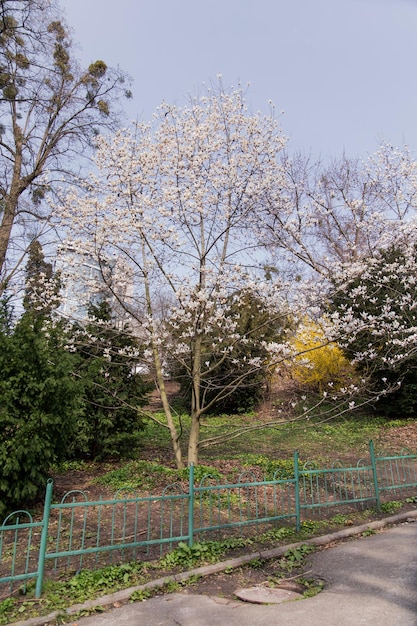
[40,403]
[110,426]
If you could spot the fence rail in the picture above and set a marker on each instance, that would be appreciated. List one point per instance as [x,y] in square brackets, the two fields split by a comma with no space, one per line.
[77,532]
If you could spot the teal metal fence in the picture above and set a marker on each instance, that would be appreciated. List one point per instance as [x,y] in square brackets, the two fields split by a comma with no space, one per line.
[77,533]
[337,486]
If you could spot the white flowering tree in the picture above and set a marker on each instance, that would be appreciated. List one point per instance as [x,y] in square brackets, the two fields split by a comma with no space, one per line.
[374,314]
[178,200]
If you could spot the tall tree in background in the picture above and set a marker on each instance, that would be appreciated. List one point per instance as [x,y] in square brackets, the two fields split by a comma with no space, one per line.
[335,214]
[50,112]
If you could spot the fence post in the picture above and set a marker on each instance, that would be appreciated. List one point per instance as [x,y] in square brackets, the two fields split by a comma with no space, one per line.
[375,476]
[44,537]
[191,506]
[297,492]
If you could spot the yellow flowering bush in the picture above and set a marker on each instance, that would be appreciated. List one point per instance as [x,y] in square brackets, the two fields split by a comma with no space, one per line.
[318,362]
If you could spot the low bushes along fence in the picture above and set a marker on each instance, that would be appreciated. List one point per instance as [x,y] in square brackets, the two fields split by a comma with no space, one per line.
[77,533]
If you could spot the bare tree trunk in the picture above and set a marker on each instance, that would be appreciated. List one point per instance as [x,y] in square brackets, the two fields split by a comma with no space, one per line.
[194,438]
[159,369]
[5,234]
[167,410]
[11,201]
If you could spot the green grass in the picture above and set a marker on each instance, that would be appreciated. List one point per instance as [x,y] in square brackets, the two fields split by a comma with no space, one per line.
[340,439]
[146,475]
[136,475]
[59,594]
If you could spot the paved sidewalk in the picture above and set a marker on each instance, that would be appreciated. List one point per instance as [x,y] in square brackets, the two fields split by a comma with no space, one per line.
[369,581]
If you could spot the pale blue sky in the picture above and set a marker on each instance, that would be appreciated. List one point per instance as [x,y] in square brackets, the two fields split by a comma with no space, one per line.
[343,71]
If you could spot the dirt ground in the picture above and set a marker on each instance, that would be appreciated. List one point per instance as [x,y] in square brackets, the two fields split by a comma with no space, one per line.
[398,438]
[260,574]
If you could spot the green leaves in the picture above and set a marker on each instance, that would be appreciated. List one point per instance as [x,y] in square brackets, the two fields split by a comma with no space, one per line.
[41,402]
[203,552]
[110,425]
[97,69]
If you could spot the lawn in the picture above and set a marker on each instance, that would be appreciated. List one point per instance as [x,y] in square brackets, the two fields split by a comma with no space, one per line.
[151,468]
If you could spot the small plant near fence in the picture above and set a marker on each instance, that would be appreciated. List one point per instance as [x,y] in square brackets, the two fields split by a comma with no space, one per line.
[294,557]
[277,469]
[186,556]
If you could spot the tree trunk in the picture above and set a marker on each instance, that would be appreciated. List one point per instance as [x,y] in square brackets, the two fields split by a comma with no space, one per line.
[167,410]
[194,439]
[5,234]
[11,200]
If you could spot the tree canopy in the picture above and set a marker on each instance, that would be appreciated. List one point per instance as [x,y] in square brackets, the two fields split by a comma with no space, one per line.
[177,202]
[334,214]
[373,308]
[50,113]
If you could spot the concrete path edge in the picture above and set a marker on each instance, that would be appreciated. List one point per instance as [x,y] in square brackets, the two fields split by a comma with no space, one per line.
[124,595]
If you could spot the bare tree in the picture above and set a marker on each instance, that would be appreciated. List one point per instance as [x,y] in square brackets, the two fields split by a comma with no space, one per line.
[50,112]
[336,214]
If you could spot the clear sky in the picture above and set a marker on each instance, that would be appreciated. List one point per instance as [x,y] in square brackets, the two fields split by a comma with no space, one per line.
[344,72]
